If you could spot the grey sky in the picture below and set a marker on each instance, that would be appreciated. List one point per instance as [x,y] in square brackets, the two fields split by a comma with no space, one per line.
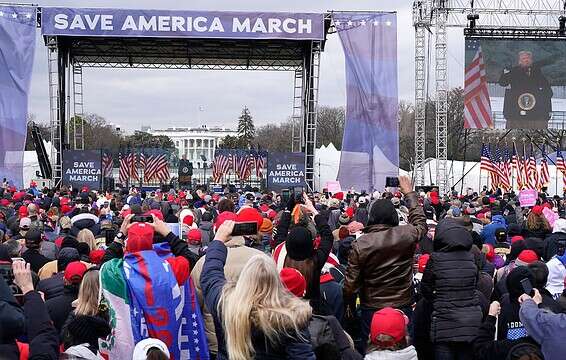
[160,98]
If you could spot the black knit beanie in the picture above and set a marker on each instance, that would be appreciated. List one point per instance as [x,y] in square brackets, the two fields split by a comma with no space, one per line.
[383,212]
[299,244]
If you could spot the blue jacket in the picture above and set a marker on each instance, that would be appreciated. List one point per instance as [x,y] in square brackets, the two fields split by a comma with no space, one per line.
[212,281]
[488,232]
[546,328]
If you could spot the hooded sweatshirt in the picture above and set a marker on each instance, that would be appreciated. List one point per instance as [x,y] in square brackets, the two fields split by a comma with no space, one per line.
[555,243]
[408,353]
[488,232]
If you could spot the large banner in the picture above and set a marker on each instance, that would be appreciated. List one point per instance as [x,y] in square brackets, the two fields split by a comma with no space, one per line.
[370,149]
[242,163]
[17,47]
[82,168]
[285,170]
[180,23]
[515,84]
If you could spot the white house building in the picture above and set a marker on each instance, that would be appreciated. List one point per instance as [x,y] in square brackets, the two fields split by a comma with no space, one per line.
[191,143]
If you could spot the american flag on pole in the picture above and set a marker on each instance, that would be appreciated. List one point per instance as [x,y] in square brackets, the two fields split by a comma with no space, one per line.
[477,106]
[157,167]
[518,167]
[221,165]
[486,163]
[561,165]
[132,161]
[107,165]
[260,162]
[505,167]
[532,169]
[124,169]
[544,177]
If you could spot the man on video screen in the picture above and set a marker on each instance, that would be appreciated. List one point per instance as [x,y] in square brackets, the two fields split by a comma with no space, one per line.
[528,95]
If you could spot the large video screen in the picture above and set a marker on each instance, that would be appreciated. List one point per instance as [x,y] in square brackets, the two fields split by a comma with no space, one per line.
[515,84]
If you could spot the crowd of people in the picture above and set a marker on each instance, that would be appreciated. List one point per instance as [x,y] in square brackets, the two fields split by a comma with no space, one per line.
[395,274]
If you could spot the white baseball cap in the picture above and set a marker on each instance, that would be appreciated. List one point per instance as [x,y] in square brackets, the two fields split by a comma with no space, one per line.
[141,349]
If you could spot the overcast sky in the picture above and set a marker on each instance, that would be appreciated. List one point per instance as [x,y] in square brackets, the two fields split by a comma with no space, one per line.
[132,98]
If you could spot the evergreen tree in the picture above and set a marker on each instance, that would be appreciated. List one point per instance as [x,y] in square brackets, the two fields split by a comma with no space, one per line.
[246,128]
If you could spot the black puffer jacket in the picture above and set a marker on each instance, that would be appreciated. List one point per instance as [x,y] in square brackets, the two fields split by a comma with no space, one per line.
[449,282]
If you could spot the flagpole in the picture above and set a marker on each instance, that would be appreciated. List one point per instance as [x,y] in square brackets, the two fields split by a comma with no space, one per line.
[464,165]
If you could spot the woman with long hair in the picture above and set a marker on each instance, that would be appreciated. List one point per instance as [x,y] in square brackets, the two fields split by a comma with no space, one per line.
[255,316]
[87,323]
[86,236]
[536,224]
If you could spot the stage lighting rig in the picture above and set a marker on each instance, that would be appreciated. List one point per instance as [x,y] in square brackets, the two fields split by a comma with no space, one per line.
[472,18]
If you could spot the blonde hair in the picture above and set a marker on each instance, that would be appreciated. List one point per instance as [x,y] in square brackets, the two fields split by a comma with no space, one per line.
[87,301]
[86,236]
[258,299]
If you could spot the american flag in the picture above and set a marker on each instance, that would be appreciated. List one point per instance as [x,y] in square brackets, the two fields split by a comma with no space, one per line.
[497,175]
[157,167]
[544,177]
[518,167]
[124,169]
[505,167]
[561,165]
[486,161]
[532,170]
[477,106]
[260,162]
[107,165]
[132,161]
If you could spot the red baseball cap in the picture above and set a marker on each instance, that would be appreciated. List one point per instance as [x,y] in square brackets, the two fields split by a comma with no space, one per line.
[23,211]
[4,202]
[223,216]
[74,272]
[537,209]
[526,257]
[158,214]
[423,260]
[516,238]
[249,215]
[96,256]
[390,322]
[140,237]
[294,281]
[188,220]
[194,236]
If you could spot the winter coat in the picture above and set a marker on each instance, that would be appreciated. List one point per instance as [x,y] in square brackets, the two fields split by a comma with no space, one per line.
[333,219]
[331,294]
[449,282]
[361,215]
[10,313]
[408,353]
[380,264]
[207,234]
[552,243]
[549,330]
[212,282]
[35,259]
[85,221]
[61,306]
[488,232]
[556,275]
[238,256]
[51,287]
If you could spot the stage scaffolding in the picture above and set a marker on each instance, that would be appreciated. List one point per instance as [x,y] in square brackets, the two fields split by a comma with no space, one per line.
[493,18]
[69,55]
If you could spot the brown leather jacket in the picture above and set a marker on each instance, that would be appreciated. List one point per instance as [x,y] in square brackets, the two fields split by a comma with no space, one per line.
[380,264]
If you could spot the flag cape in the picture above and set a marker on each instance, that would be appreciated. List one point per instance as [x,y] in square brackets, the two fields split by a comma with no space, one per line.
[156,305]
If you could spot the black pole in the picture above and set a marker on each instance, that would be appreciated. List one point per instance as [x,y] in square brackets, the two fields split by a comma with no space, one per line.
[464,166]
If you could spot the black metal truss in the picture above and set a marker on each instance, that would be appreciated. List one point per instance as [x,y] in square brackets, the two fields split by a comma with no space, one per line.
[515,33]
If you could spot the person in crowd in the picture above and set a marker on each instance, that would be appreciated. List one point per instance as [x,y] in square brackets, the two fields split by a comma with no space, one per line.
[380,264]
[194,239]
[509,325]
[206,228]
[254,316]
[32,255]
[85,325]
[486,348]
[546,328]
[237,256]
[54,285]
[86,236]
[59,307]
[31,320]
[556,275]
[555,244]
[536,225]
[488,232]
[540,276]
[151,349]
[449,282]
[388,336]
[361,214]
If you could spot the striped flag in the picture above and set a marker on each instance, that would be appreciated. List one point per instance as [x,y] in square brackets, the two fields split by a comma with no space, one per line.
[107,165]
[544,177]
[157,167]
[505,167]
[526,167]
[477,106]
[132,165]
[260,163]
[532,170]
[486,163]
[518,167]
[561,165]
[124,169]
[221,166]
